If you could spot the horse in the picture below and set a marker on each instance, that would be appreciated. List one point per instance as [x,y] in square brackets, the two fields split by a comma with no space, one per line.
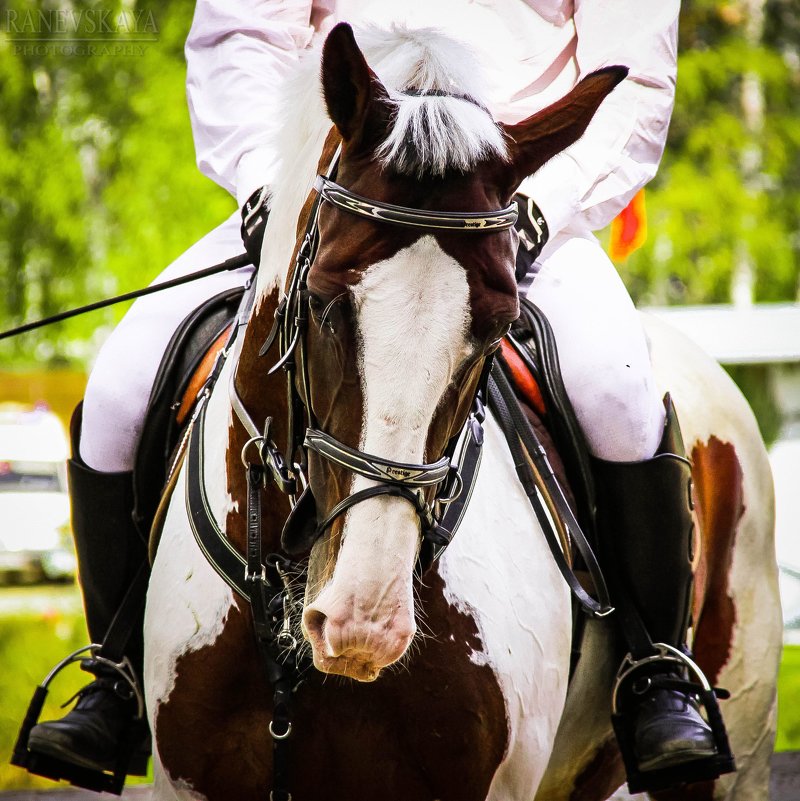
[453,684]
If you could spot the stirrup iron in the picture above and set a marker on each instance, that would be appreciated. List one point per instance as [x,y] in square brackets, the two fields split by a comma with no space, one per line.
[704,768]
[57,769]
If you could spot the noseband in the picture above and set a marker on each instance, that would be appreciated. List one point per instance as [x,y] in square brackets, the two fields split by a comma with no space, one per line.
[394,479]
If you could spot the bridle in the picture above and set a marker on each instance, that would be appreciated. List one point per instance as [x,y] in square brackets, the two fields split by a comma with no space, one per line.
[394,479]
[266,583]
[499,220]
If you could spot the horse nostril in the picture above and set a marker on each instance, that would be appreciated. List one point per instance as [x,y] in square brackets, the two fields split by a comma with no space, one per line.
[314,625]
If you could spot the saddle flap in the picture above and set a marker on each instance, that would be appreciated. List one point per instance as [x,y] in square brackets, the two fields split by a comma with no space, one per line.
[186,351]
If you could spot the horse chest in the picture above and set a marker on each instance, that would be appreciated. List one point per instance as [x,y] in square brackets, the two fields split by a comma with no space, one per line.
[434,729]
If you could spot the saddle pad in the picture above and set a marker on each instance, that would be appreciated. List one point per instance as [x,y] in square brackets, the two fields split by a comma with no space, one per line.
[532,404]
[530,359]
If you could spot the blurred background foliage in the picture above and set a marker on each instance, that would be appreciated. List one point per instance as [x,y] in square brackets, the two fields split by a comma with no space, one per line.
[98,185]
[726,202]
[99,189]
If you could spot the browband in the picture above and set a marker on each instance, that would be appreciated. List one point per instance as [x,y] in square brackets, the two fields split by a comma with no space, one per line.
[487,221]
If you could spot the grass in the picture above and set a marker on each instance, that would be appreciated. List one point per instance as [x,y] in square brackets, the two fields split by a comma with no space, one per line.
[31,642]
[789,700]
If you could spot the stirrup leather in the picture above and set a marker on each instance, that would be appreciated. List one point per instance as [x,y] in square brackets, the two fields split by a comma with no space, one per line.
[57,769]
[701,769]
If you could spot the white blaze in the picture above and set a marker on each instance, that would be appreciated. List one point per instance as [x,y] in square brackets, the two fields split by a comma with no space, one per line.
[413,316]
[413,327]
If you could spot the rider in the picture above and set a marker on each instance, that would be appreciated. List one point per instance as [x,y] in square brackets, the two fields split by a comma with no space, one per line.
[237,54]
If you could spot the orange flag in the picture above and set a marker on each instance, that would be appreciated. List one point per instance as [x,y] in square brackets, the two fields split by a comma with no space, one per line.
[628,229]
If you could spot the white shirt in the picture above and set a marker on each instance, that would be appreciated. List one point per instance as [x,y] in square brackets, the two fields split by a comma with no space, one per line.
[239,51]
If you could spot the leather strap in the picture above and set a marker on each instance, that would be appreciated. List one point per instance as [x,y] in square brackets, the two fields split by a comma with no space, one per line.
[408,217]
[376,467]
[216,547]
[127,618]
[524,444]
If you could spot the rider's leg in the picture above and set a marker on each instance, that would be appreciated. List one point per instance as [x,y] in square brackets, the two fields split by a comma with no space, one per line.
[109,547]
[123,374]
[644,517]
[110,552]
[604,359]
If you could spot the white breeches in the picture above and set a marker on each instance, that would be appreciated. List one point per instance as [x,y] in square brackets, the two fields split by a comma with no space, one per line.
[601,345]
[120,382]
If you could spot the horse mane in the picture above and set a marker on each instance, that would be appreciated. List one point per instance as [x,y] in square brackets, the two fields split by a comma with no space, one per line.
[431,133]
[433,130]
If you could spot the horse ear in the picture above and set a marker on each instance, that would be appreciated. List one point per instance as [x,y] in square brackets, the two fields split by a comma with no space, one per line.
[551,130]
[351,89]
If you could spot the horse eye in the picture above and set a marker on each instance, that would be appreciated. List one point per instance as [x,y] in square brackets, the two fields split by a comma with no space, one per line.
[316,303]
[325,312]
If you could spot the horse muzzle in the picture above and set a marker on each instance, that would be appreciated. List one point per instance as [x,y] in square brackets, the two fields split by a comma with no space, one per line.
[357,650]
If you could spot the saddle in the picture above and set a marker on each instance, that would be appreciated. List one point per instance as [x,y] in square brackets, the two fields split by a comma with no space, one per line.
[187,362]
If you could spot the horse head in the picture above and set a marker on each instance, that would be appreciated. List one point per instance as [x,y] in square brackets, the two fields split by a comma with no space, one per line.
[403,318]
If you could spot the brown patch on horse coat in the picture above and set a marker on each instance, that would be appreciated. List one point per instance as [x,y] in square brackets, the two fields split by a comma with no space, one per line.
[602,776]
[717,477]
[434,728]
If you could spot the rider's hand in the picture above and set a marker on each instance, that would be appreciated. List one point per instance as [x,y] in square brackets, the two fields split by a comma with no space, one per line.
[254,220]
[533,234]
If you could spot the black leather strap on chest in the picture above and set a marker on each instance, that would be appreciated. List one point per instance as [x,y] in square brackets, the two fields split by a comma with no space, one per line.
[265,582]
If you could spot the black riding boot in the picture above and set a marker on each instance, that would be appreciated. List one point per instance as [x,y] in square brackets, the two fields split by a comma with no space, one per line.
[645,525]
[105,722]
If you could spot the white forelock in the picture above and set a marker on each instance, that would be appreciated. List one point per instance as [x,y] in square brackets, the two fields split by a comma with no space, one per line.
[432,133]
[429,135]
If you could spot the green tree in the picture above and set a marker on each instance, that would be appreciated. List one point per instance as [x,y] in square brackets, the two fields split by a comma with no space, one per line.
[98,185]
[728,190]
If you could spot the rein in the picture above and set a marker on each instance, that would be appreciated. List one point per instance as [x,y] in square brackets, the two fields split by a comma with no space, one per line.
[243,260]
